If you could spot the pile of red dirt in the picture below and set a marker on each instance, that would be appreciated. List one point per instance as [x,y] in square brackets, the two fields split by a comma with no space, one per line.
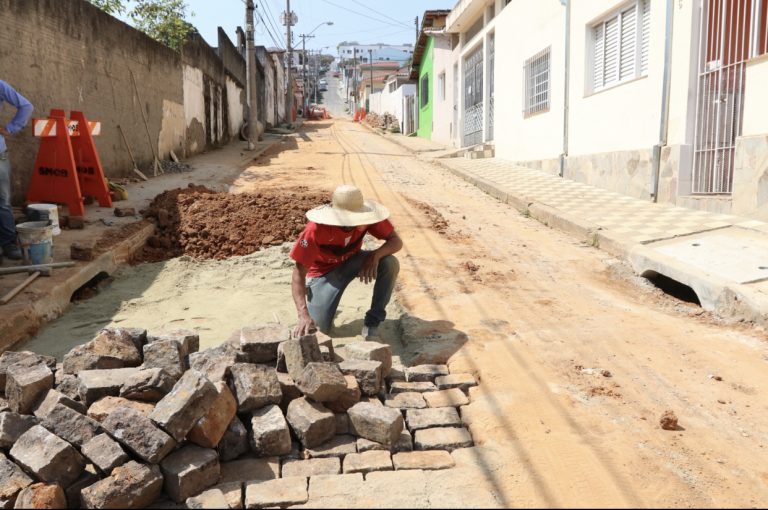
[205,224]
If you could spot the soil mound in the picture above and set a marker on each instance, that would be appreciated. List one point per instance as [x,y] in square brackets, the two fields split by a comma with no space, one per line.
[205,224]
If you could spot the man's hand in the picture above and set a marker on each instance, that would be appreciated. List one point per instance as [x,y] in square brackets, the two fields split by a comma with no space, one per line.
[4,131]
[367,273]
[305,326]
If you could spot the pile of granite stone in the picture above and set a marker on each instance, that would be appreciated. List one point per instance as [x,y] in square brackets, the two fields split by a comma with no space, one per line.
[130,420]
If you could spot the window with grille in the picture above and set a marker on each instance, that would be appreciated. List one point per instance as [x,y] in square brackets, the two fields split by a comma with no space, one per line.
[424,95]
[537,83]
[620,45]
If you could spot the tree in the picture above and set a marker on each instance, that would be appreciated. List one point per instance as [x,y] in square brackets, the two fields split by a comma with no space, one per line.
[163,20]
[109,6]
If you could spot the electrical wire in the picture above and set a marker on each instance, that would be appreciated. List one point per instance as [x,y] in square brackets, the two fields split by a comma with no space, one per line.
[270,23]
[346,9]
[382,14]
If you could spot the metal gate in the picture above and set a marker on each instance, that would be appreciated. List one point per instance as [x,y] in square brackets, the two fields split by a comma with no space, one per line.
[409,124]
[724,47]
[491,80]
[473,98]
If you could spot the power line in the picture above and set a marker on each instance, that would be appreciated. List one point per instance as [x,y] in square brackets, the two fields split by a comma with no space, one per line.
[269,31]
[275,39]
[346,9]
[382,14]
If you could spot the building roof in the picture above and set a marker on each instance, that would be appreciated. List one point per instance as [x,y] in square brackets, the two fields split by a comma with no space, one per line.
[432,19]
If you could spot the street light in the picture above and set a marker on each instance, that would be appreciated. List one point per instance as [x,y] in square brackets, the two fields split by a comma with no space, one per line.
[329,23]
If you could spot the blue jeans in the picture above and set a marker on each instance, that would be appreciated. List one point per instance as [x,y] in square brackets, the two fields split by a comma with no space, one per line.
[324,292]
[7,224]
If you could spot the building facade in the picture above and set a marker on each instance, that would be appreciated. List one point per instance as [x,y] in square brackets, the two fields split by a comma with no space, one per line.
[380,52]
[656,99]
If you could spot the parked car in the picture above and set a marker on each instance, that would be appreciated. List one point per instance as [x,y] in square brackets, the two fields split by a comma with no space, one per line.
[336,74]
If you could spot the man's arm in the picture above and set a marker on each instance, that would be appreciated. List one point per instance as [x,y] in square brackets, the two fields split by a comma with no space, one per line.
[392,245]
[23,109]
[299,290]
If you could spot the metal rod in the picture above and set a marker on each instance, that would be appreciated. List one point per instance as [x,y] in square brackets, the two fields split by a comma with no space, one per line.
[36,267]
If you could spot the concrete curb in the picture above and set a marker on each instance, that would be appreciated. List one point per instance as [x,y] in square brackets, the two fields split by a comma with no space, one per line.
[23,321]
[724,298]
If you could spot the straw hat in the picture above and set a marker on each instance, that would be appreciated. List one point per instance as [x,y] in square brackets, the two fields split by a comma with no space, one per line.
[348,209]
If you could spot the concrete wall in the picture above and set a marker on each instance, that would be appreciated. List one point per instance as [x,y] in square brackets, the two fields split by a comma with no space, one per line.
[543,23]
[443,129]
[207,83]
[73,56]
[756,98]
[277,59]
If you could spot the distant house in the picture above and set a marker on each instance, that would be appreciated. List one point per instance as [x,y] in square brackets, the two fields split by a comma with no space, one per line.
[378,52]
[398,90]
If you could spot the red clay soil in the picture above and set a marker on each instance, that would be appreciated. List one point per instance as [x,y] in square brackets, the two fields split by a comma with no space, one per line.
[204,224]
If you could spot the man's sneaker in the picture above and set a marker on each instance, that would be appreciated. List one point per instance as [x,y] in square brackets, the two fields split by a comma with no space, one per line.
[12,252]
[370,332]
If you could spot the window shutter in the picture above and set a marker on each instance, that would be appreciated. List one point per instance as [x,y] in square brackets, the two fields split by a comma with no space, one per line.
[645,35]
[598,33]
[611,51]
[628,43]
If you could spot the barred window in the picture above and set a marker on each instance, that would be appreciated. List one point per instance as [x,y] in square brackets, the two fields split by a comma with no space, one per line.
[424,95]
[537,83]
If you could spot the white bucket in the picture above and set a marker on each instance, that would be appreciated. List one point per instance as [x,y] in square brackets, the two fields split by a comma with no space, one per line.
[53,214]
[36,240]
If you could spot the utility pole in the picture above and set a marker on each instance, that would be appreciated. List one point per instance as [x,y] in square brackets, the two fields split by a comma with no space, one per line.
[317,73]
[304,38]
[288,20]
[253,128]
[417,30]
[370,94]
[354,75]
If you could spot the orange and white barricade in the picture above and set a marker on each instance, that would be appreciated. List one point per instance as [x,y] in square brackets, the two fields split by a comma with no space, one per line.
[68,167]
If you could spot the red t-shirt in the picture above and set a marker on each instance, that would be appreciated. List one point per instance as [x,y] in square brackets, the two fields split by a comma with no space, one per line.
[322,248]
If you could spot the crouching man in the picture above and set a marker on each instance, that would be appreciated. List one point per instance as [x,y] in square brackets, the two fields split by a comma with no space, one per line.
[329,255]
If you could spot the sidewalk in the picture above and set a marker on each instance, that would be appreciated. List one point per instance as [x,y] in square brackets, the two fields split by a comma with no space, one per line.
[723,258]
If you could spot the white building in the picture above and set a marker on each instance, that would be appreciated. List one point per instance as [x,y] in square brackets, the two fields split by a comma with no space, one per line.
[380,52]
[656,99]
[393,98]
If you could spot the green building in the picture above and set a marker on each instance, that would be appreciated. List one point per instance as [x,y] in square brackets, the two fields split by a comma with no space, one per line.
[422,67]
[424,88]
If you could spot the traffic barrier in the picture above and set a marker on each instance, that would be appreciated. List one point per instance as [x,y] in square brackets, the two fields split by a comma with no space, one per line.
[67,167]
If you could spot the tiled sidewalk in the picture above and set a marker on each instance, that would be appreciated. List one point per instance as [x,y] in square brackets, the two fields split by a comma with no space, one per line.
[629,219]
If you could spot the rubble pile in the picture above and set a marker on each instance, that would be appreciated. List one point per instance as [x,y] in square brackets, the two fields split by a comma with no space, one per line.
[202,223]
[176,167]
[387,121]
[129,419]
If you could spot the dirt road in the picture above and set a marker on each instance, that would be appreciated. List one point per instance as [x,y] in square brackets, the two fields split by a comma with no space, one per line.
[544,316]
[577,361]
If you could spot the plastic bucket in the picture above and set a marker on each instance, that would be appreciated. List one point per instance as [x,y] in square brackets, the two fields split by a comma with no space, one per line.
[42,212]
[36,240]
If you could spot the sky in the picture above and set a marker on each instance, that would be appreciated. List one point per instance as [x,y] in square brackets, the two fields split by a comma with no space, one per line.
[364,21]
